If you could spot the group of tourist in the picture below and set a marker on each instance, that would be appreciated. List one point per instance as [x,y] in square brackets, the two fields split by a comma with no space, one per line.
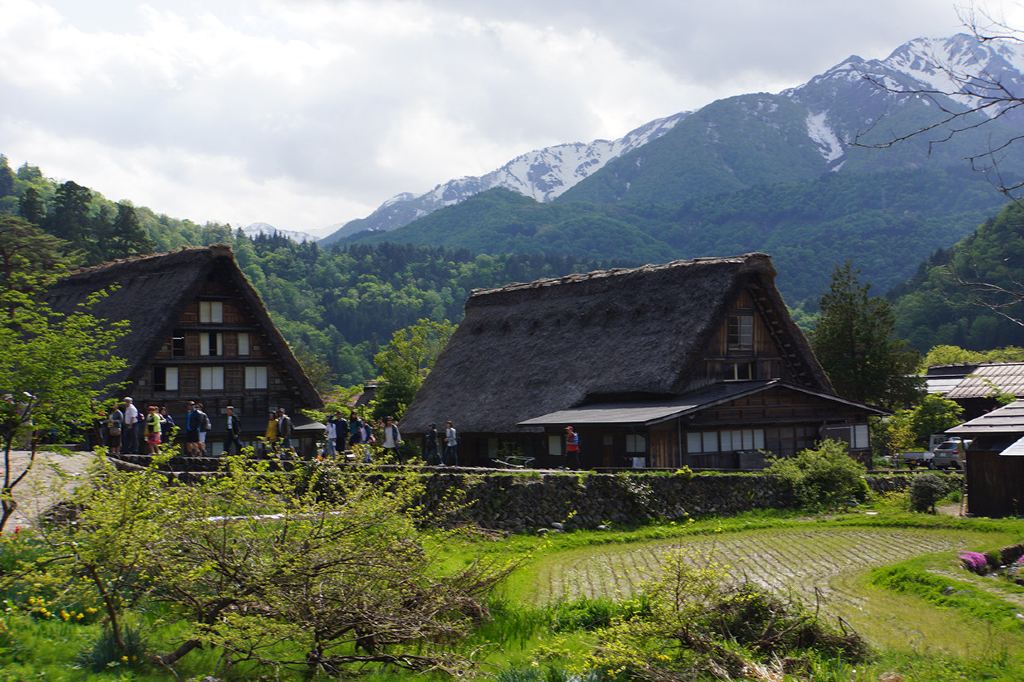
[441,449]
[125,428]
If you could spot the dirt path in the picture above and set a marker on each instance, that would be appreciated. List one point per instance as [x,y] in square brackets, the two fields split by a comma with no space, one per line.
[52,475]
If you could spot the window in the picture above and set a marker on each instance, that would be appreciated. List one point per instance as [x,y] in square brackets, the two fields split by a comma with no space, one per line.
[860,436]
[165,378]
[243,343]
[211,343]
[740,333]
[693,442]
[725,441]
[554,445]
[178,346]
[255,377]
[211,312]
[636,443]
[738,371]
[211,378]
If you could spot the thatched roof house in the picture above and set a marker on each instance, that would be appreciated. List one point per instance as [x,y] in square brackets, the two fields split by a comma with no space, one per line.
[198,330]
[654,333]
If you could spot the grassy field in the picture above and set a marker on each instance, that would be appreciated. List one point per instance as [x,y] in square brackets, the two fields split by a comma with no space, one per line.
[891,575]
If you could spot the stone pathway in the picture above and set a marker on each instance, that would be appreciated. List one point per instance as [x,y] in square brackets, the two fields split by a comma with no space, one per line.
[44,486]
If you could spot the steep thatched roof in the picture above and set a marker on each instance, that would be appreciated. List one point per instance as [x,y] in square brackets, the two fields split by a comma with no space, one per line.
[528,349]
[151,292]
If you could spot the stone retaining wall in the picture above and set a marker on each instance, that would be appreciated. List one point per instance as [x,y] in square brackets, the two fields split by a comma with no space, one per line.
[527,500]
[523,502]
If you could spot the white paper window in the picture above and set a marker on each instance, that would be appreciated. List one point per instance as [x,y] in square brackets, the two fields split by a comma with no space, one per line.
[243,343]
[211,312]
[693,442]
[171,378]
[709,441]
[211,378]
[636,443]
[860,436]
[727,441]
[211,344]
[759,439]
[554,445]
[255,377]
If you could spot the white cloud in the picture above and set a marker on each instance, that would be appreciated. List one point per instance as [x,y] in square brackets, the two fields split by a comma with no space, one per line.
[308,112]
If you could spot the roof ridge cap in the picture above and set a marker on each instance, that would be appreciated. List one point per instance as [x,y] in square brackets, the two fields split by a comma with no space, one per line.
[213,249]
[576,277]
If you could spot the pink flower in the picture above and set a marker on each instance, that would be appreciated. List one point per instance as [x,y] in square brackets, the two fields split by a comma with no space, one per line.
[974,561]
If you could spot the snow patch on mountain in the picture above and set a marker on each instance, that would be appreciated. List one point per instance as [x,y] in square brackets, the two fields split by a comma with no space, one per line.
[822,135]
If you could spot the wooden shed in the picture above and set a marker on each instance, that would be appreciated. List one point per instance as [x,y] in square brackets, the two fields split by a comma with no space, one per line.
[995,461]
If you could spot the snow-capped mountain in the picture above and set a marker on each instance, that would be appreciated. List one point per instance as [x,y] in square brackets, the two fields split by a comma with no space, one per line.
[542,174]
[257,229]
[849,98]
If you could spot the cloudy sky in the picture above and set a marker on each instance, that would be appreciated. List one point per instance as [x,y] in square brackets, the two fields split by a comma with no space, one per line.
[305,113]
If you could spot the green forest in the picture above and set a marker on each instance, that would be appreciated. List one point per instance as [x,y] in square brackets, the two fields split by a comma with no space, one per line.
[338,305]
[335,306]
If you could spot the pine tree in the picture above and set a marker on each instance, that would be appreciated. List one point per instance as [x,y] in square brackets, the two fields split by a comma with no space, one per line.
[854,342]
[70,216]
[129,238]
[31,208]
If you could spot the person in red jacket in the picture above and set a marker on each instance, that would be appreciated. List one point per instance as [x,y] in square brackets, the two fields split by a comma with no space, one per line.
[572,446]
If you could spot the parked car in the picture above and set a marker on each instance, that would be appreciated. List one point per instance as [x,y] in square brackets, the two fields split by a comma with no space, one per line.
[911,459]
[949,455]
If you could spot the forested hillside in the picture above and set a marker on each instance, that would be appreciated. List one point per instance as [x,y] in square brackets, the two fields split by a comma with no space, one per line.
[884,223]
[971,295]
[335,306]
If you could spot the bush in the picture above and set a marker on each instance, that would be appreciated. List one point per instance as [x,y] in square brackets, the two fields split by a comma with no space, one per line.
[822,478]
[701,624]
[925,491]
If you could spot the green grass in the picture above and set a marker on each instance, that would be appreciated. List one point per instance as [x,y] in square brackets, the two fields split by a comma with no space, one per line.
[896,601]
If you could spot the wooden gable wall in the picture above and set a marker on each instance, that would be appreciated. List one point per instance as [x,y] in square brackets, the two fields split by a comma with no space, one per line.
[237,319]
[771,355]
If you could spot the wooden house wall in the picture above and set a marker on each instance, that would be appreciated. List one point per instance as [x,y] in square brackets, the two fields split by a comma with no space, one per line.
[237,319]
[995,484]
[765,354]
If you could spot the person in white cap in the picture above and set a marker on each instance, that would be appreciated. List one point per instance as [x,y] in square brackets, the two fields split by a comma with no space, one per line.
[130,433]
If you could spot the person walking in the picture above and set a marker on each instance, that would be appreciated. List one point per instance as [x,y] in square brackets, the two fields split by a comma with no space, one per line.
[430,446]
[152,431]
[355,429]
[572,446]
[331,436]
[392,438]
[232,443]
[270,436]
[204,428]
[192,420]
[284,428]
[129,433]
[166,426]
[451,445]
[115,424]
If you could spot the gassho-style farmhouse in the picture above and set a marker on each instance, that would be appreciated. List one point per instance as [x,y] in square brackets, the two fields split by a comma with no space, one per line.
[198,331]
[694,362]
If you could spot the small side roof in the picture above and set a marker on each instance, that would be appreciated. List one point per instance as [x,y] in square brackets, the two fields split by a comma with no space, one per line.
[647,413]
[1006,419]
[988,378]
